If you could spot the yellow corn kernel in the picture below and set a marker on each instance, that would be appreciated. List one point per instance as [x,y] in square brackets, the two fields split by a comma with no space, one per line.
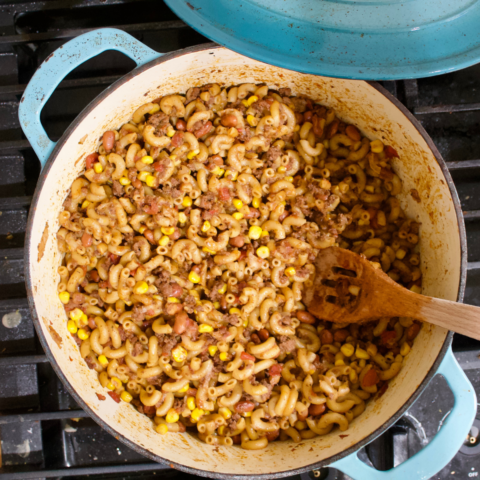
[254,232]
[64,297]
[264,233]
[282,169]
[187,202]
[207,250]
[194,277]
[116,381]
[416,289]
[252,121]
[348,349]
[376,146]
[223,289]
[234,311]
[245,323]
[232,174]
[223,356]
[85,204]
[170,131]
[125,181]
[263,252]
[252,99]
[225,412]
[256,202]
[173,300]
[76,314]
[142,176]
[126,397]
[237,215]
[246,414]
[172,416]
[237,203]
[290,271]
[147,160]
[222,430]
[216,305]
[163,242]
[150,181]
[182,218]
[218,171]
[98,167]
[372,349]
[82,334]
[184,389]
[193,154]
[179,354]
[167,230]
[103,360]
[289,179]
[191,404]
[212,350]
[72,326]
[142,229]
[404,349]
[82,321]
[155,109]
[204,328]
[354,290]
[245,102]
[206,226]
[361,353]
[110,386]
[155,297]
[140,288]
[197,414]
[297,128]
[161,428]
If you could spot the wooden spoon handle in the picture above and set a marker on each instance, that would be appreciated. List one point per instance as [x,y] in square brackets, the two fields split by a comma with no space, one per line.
[460,318]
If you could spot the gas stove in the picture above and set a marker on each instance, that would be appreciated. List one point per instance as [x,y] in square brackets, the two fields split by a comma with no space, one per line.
[43,432]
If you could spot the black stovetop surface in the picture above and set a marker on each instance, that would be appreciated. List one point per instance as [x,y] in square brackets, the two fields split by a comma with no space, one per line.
[43,432]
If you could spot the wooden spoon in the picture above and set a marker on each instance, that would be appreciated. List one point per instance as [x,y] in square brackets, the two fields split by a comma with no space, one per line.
[348,289]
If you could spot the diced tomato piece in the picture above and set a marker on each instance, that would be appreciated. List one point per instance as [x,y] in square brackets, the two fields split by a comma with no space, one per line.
[177,139]
[114,258]
[115,396]
[388,337]
[224,194]
[246,357]
[275,370]
[390,152]
[373,217]
[94,276]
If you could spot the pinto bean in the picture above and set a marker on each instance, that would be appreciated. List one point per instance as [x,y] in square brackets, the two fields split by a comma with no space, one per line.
[137,183]
[255,339]
[341,335]
[299,118]
[272,436]
[108,140]
[180,325]
[305,317]
[307,116]
[94,276]
[370,378]
[87,240]
[315,410]
[148,234]
[263,334]
[412,331]
[181,125]
[203,130]
[245,406]
[229,120]
[177,139]
[238,241]
[90,160]
[175,290]
[326,337]
[353,133]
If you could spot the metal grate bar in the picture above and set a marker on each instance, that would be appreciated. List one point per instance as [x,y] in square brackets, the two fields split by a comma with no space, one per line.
[471,215]
[71,472]
[468,107]
[14,145]
[463,164]
[11,253]
[42,416]
[411,93]
[22,360]
[14,203]
[23,38]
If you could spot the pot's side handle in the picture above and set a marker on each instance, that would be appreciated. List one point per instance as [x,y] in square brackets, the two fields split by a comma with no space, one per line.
[438,453]
[59,64]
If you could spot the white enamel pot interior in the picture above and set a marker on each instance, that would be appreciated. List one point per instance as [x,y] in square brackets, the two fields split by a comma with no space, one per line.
[361,103]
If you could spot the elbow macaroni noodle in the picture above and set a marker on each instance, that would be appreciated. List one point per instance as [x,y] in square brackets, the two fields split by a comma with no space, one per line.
[188,242]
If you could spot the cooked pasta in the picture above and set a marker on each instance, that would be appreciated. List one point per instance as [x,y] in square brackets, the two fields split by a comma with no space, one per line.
[188,242]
